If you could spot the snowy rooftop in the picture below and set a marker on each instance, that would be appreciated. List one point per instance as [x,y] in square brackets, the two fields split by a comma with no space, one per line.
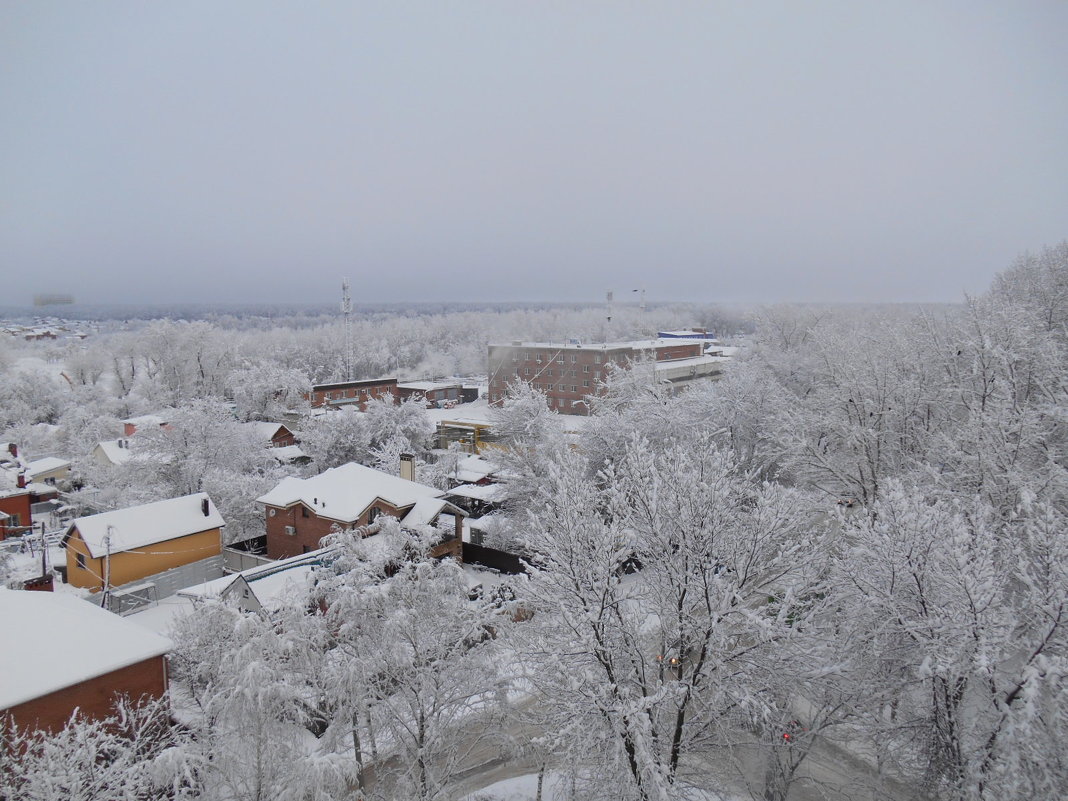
[145,420]
[427,386]
[150,523]
[274,585]
[344,493]
[46,465]
[52,640]
[116,453]
[490,493]
[264,431]
[634,344]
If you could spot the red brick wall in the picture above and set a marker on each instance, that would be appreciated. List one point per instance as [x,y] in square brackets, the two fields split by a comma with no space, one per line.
[15,505]
[364,392]
[565,383]
[686,351]
[310,529]
[95,697]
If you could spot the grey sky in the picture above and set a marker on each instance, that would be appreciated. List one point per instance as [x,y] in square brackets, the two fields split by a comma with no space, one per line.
[191,151]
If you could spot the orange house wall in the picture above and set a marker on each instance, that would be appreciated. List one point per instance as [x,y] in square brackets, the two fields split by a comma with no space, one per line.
[146,561]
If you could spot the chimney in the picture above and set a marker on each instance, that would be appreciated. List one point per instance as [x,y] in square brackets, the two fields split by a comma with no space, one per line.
[204,506]
[13,449]
[20,480]
[407,466]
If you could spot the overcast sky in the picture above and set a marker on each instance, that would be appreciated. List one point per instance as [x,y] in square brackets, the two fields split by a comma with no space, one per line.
[535,151]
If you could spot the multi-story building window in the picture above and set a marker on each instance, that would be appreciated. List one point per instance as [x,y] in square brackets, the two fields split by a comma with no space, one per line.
[585,368]
[585,383]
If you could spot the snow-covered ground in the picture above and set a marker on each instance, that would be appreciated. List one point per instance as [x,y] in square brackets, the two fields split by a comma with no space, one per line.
[556,787]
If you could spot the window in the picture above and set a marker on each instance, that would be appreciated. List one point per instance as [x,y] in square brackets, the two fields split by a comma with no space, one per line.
[574,388]
[526,371]
[574,358]
[585,368]
[304,511]
[81,561]
[560,358]
[375,512]
[585,383]
[549,371]
[597,358]
[517,371]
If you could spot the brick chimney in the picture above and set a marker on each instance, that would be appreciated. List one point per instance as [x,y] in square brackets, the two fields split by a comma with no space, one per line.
[20,480]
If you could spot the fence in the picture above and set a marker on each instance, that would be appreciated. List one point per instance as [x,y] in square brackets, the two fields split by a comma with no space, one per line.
[137,594]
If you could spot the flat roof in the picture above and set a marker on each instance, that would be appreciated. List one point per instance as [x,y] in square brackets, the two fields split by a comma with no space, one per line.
[345,384]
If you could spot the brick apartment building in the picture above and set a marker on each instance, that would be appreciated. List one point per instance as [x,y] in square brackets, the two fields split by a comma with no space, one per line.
[353,393]
[568,373]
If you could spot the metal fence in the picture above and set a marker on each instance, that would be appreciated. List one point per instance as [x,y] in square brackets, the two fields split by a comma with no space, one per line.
[137,594]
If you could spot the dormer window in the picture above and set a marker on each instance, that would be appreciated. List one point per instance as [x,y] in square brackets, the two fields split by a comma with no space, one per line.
[375,512]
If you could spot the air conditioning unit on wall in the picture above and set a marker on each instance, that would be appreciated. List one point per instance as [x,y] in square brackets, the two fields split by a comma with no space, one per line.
[291,531]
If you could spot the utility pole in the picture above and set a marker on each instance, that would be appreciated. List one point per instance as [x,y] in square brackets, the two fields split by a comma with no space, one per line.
[105,600]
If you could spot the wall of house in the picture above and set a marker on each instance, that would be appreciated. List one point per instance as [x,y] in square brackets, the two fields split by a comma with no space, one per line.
[95,697]
[15,505]
[283,438]
[145,561]
[310,529]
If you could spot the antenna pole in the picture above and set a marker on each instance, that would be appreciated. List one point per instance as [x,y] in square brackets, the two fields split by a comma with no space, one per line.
[346,311]
[105,600]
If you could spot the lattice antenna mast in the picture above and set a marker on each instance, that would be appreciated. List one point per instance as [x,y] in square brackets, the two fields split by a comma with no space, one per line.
[608,315]
[346,310]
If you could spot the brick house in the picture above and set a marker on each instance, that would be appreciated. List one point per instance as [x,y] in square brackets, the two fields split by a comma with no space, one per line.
[273,435]
[301,511]
[568,373]
[146,422]
[130,544]
[353,393]
[59,653]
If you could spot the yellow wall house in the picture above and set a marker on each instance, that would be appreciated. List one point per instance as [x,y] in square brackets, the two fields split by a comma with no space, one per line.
[130,544]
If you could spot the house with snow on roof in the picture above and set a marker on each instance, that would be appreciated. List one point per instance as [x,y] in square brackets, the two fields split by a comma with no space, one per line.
[146,422]
[59,654]
[128,545]
[301,511]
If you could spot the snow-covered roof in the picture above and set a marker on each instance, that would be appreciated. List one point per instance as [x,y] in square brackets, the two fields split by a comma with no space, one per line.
[273,584]
[288,453]
[427,386]
[53,640]
[46,465]
[489,493]
[159,419]
[264,431]
[114,452]
[344,493]
[427,510]
[137,526]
